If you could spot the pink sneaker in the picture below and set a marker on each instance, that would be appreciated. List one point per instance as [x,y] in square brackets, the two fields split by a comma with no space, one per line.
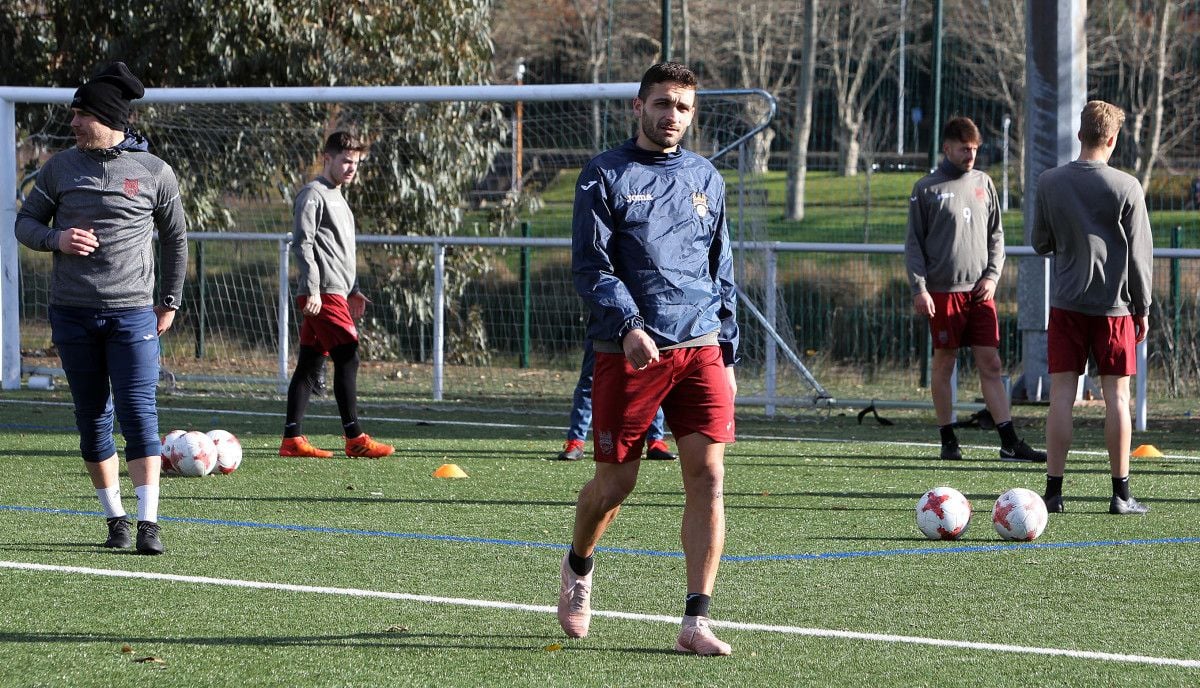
[574,601]
[697,638]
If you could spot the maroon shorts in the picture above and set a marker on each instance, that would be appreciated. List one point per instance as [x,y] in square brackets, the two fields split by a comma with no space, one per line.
[331,327]
[1071,336]
[690,385]
[960,321]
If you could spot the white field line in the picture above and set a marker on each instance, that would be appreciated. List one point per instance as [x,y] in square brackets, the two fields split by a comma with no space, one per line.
[560,428]
[629,616]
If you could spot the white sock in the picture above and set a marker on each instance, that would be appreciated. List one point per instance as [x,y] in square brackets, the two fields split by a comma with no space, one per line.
[147,496]
[110,500]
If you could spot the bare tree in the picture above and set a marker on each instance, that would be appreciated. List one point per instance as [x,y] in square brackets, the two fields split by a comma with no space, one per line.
[858,46]
[1139,49]
[749,44]
[989,40]
[798,158]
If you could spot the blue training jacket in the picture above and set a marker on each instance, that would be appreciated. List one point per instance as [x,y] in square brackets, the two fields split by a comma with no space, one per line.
[650,248]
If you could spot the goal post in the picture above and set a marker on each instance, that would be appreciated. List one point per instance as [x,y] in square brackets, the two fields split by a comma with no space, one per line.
[564,125]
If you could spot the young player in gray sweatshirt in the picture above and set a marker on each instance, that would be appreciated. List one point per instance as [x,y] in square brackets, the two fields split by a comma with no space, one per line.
[96,207]
[954,253]
[1092,219]
[328,296]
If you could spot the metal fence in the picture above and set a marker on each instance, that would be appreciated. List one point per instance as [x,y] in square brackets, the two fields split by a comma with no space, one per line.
[847,307]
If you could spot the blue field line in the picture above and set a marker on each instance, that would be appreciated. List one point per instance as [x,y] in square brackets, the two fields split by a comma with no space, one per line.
[728,558]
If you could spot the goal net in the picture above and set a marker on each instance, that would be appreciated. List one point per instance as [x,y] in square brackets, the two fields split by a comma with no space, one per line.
[495,320]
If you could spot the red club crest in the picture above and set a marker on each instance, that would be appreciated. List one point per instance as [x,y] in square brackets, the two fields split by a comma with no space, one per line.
[131,187]
[980,193]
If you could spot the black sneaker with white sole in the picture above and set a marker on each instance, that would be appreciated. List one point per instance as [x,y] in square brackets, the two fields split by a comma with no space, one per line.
[1122,507]
[147,538]
[119,528]
[1022,452]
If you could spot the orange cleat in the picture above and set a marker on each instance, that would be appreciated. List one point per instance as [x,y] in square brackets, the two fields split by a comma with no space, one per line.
[300,446]
[365,447]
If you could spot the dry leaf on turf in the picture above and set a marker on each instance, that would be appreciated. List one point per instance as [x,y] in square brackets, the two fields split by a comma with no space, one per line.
[553,647]
[397,629]
[149,660]
[126,648]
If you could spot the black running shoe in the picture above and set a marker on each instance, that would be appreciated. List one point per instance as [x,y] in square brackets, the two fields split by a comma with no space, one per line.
[1022,452]
[118,532]
[1126,506]
[147,538]
[1054,505]
[951,452]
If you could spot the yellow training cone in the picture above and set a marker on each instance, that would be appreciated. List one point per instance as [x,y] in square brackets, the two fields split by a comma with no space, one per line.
[449,470]
[1146,451]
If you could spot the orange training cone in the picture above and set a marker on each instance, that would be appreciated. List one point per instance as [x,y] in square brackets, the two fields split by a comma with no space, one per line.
[1146,451]
[449,470]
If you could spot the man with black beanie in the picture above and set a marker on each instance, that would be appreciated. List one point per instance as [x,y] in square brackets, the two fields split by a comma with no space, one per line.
[95,207]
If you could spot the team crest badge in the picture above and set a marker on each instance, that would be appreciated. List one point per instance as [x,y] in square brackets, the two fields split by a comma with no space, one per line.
[980,193]
[606,442]
[700,203]
[131,187]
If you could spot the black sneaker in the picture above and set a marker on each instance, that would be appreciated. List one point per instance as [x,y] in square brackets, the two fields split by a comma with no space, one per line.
[1126,506]
[147,539]
[1054,505]
[118,532]
[1022,452]
[951,452]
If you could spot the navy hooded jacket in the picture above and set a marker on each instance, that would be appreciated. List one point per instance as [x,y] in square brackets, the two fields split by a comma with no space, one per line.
[651,249]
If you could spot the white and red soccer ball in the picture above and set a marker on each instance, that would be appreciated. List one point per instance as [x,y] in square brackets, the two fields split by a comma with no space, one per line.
[1019,514]
[168,450]
[229,450]
[194,454]
[943,513]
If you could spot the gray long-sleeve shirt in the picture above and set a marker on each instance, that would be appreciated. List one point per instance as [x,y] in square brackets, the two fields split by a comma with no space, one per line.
[323,241]
[955,237]
[1093,219]
[123,194]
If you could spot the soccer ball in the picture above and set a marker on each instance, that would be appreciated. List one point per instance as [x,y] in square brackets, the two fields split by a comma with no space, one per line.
[943,513]
[229,450]
[195,454]
[1019,514]
[168,450]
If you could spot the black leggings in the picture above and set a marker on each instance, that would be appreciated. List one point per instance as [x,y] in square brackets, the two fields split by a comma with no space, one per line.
[345,387]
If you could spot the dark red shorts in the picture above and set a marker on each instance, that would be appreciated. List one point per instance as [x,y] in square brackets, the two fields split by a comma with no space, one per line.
[1071,336]
[331,327]
[959,321]
[690,385]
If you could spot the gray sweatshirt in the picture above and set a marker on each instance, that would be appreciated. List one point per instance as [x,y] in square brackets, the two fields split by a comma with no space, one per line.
[954,235]
[323,241]
[1093,219]
[123,194]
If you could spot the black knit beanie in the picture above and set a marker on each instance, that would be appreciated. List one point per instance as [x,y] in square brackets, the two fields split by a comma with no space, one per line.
[108,94]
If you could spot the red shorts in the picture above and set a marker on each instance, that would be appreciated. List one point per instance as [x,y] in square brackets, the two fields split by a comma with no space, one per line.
[331,327]
[690,385]
[1071,335]
[960,321]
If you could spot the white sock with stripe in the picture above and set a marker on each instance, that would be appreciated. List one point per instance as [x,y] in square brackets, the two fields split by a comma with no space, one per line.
[110,501]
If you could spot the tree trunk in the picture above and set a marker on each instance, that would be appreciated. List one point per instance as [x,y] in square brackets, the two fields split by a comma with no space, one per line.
[760,151]
[798,160]
[848,148]
[1156,114]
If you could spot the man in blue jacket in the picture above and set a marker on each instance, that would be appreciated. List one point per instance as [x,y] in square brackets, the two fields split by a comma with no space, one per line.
[651,258]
